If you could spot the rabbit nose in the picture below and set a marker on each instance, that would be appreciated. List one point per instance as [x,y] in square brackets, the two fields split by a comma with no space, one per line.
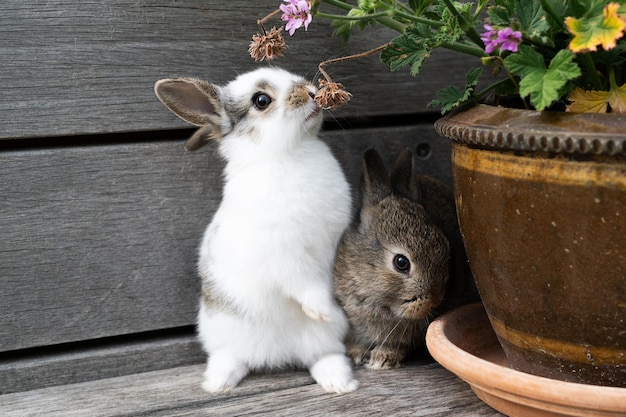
[300,95]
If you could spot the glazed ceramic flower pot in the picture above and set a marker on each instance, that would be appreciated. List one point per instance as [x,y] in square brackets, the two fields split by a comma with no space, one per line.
[541,199]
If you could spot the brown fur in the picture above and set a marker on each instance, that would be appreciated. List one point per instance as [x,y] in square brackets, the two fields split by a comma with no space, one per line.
[299,96]
[400,214]
[197,102]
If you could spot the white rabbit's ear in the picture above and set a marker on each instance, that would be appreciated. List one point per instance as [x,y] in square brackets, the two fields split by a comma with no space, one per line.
[201,137]
[197,102]
[376,184]
[402,178]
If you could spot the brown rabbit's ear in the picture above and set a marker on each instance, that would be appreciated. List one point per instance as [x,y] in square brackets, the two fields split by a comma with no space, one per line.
[194,101]
[376,184]
[402,178]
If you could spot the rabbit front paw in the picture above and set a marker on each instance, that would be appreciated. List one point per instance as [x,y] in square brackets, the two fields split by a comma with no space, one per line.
[381,359]
[315,314]
[357,352]
[318,307]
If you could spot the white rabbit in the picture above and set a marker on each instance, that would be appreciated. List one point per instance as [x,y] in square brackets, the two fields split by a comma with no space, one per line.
[266,259]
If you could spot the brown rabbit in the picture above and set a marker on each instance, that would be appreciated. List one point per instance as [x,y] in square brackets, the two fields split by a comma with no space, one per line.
[400,263]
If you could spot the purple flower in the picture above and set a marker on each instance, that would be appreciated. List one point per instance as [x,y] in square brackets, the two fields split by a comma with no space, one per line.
[506,39]
[490,39]
[297,13]
[509,39]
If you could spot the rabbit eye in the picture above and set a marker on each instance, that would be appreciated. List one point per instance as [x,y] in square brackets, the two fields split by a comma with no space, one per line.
[261,101]
[401,263]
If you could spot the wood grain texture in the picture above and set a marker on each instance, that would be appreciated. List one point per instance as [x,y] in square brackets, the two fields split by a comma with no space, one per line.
[100,241]
[419,389]
[81,67]
[97,361]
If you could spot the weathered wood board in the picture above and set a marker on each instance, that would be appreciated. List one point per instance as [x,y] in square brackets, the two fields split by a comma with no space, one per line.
[419,389]
[99,241]
[82,67]
[53,366]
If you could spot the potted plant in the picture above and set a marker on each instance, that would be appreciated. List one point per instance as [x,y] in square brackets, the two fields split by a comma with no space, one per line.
[539,165]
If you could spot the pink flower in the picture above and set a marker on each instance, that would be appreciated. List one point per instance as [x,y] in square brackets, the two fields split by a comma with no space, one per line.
[297,13]
[490,39]
[506,39]
[509,39]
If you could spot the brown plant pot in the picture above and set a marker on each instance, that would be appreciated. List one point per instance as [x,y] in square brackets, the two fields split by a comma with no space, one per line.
[541,199]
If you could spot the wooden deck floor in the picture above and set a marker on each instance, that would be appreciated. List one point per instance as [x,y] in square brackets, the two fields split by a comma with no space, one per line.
[421,388]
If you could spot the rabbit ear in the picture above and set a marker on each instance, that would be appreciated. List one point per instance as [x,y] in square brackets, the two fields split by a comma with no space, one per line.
[402,178]
[200,138]
[376,184]
[197,102]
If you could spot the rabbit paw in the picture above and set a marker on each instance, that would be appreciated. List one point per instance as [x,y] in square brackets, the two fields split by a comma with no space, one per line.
[222,374]
[315,314]
[381,359]
[317,308]
[357,352]
[334,374]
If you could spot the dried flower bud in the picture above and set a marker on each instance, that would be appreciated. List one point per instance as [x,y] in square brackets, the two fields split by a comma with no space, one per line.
[265,47]
[331,95]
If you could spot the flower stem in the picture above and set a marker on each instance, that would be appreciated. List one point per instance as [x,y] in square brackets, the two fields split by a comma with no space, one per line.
[612,83]
[346,58]
[266,18]
[345,17]
[590,69]
[493,86]
[413,18]
[465,48]
[340,4]
[392,24]
[417,19]
[389,22]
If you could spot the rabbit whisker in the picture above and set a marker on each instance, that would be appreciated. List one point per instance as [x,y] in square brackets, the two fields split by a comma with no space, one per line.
[393,330]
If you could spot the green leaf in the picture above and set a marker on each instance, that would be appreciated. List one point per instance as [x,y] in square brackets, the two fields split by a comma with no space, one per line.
[543,84]
[500,13]
[412,48]
[419,6]
[451,97]
[556,12]
[342,29]
[533,21]
[526,61]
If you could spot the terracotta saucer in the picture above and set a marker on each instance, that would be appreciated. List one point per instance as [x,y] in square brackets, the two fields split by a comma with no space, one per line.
[463,342]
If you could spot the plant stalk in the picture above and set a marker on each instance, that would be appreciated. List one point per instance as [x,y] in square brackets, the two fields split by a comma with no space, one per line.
[265,19]
[591,71]
[465,48]
[346,58]
[386,18]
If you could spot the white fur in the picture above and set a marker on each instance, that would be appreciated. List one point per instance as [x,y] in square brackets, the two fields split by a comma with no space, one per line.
[270,248]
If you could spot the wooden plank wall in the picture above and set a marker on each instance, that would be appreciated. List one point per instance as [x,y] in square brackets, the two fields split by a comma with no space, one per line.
[102,209]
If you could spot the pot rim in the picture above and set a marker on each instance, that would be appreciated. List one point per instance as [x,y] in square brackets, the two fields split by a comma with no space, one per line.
[502,128]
